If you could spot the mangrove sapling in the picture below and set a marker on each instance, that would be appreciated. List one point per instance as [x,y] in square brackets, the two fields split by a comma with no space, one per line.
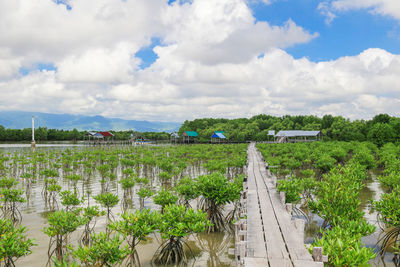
[135,227]
[70,200]
[165,178]
[48,174]
[187,189]
[53,189]
[64,263]
[74,179]
[11,198]
[343,247]
[144,193]
[61,224]
[389,221]
[89,214]
[127,183]
[164,198]
[235,190]
[216,192]
[104,251]
[142,180]
[104,169]
[14,244]
[108,201]
[176,223]
[337,196]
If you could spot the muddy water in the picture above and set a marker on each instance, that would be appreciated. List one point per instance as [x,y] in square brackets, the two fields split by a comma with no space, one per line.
[205,249]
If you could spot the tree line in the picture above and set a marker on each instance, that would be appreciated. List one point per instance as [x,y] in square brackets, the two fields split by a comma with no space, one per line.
[44,134]
[379,130]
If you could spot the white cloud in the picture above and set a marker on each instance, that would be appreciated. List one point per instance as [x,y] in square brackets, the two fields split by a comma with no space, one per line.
[214,60]
[325,10]
[382,7]
[220,31]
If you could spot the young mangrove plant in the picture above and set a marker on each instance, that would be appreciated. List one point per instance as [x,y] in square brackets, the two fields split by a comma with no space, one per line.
[216,192]
[53,189]
[70,200]
[389,220]
[344,248]
[135,227]
[10,199]
[104,251]
[108,201]
[144,193]
[164,198]
[127,183]
[14,244]
[89,215]
[176,223]
[48,174]
[187,189]
[61,224]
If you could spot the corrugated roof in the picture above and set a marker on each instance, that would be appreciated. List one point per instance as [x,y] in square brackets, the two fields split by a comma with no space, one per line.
[191,133]
[218,135]
[175,135]
[106,134]
[297,133]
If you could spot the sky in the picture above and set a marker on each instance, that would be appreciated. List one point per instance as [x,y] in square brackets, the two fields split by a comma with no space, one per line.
[166,60]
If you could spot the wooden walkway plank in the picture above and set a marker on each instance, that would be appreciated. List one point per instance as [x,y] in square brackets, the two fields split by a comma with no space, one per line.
[272,238]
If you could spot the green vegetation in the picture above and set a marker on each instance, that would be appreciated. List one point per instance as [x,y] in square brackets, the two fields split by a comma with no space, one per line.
[14,244]
[380,130]
[176,223]
[80,231]
[135,227]
[327,178]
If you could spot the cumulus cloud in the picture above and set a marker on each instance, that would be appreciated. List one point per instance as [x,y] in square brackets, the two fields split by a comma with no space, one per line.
[214,60]
[382,7]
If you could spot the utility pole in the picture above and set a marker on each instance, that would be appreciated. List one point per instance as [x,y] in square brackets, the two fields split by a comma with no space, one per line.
[33,143]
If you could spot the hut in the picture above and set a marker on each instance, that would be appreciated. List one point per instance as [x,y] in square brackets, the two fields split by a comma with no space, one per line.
[174,137]
[218,136]
[189,136]
[107,135]
[297,136]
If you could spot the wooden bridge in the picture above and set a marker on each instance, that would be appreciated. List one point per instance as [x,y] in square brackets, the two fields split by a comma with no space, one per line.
[269,236]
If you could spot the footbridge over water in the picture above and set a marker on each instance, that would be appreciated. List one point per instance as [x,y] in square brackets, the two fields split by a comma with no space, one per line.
[269,236]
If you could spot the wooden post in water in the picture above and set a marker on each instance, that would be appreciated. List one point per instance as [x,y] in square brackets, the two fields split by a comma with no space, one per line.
[33,143]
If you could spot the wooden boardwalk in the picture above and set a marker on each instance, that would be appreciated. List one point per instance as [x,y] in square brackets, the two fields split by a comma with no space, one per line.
[269,237]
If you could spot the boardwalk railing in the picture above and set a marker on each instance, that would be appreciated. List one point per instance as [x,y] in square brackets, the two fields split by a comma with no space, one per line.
[267,236]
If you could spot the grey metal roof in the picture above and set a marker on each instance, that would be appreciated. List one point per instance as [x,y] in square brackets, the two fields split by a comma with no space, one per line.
[297,133]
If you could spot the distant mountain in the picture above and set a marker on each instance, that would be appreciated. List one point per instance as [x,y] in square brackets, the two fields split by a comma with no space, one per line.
[23,119]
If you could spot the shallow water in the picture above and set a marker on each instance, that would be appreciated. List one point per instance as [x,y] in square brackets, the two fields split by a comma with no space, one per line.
[208,249]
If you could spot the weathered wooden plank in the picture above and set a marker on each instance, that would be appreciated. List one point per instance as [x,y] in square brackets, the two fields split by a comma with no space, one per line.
[280,262]
[306,263]
[275,244]
[256,262]
[255,238]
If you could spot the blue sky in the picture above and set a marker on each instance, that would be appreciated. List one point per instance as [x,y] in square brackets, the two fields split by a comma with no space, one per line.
[348,34]
[166,60]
